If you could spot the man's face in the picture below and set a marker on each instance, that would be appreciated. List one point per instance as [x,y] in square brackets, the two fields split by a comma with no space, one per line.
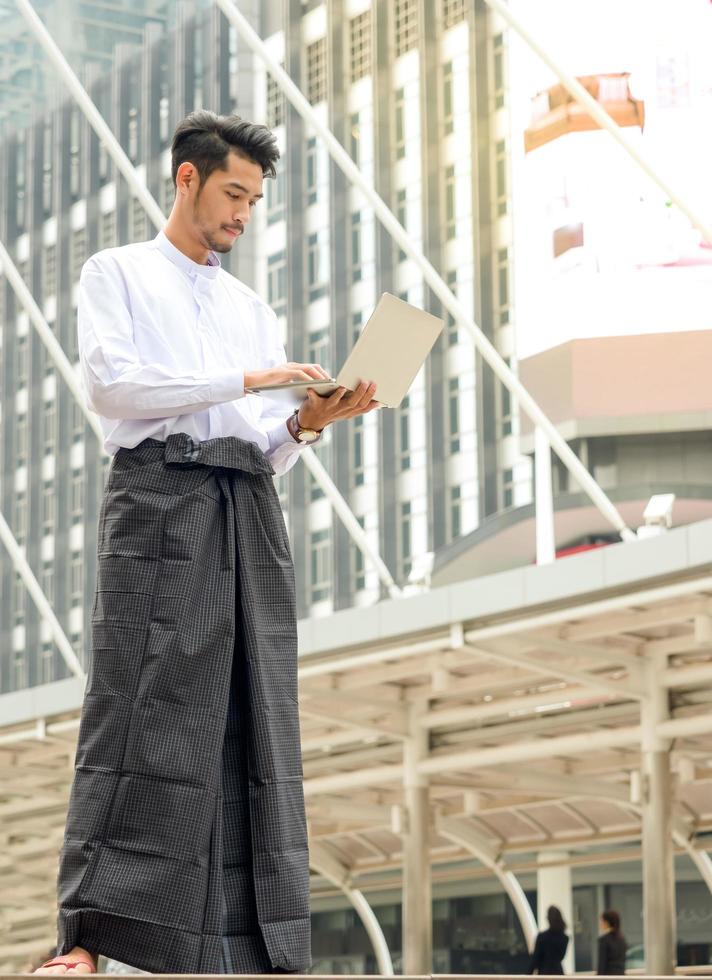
[220,210]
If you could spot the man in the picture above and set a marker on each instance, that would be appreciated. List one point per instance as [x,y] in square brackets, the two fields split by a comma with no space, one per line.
[185,848]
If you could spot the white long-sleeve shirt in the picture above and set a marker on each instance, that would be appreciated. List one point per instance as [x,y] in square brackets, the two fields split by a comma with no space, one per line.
[164,344]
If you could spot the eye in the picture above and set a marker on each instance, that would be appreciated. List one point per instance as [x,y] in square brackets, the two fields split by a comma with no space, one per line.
[234,197]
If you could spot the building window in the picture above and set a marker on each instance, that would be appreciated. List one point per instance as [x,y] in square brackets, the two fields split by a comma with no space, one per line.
[107,230]
[76,640]
[75,155]
[402,216]
[316,71]
[275,197]
[19,517]
[277,282]
[453,414]
[450,204]
[49,272]
[78,422]
[76,579]
[47,663]
[22,361]
[498,70]
[78,252]
[454,512]
[502,297]
[320,564]
[404,529]
[324,450]
[47,581]
[275,104]
[49,427]
[319,347]
[507,488]
[164,131]
[404,434]
[358,459]
[505,407]
[453,13]
[21,432]
[133,141]
[399,123]
[104,164]
[139,223]
[318,264]
[19,600]
[405,25]
[77,498]
[312,170]
[169,194]
[355,134]
[24,269]
[451,331]
[501,176]
[356,271]
[47,171]
[48,508]
[19,670]
[358,567]
[448,120]
[360,36]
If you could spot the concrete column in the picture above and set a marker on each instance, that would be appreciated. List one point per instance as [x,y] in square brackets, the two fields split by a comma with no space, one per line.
[417,899]
[659,926]
[553,887]
[543,499]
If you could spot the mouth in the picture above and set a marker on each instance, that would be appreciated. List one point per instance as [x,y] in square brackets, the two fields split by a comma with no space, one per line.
[233,232]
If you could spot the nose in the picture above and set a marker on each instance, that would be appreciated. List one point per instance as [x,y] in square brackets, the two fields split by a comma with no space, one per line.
[242,213]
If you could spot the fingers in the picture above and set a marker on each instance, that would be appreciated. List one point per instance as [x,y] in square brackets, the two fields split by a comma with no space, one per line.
[355,402]
[362,396]
[315,371]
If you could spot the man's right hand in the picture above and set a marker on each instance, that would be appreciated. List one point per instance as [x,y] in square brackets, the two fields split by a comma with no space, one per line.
[284,373]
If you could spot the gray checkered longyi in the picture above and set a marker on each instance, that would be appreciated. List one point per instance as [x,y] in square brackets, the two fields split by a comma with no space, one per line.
[186,847]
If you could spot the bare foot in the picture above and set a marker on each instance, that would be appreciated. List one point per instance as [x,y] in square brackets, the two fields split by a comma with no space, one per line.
[84,962]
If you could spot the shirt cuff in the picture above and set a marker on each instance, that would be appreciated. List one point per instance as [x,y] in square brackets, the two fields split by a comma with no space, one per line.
[227,387]
[281,436]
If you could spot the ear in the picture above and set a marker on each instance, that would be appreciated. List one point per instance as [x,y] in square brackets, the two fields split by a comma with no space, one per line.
[186,177]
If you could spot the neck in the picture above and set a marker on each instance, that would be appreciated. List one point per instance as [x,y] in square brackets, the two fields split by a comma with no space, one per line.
[185,242]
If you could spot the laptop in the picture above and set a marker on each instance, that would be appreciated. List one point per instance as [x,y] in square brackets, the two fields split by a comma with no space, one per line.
[390,351]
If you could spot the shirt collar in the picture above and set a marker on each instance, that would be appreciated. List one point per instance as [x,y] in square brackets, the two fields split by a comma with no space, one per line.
[184,263]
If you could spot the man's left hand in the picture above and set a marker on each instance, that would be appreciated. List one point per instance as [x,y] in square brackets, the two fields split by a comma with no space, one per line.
[318,411]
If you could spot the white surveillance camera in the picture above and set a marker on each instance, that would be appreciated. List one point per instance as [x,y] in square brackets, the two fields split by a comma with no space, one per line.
[659,509]
[657,515]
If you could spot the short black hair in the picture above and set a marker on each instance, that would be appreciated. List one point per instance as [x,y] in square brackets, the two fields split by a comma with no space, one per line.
[204,139]
[612,919]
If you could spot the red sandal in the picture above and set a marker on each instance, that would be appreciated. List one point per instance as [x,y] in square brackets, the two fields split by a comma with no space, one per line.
[69,963]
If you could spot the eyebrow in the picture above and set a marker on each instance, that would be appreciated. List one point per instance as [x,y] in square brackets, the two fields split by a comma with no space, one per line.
[234,183]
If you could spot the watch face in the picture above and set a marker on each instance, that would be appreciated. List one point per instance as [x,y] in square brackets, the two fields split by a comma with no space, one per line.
[308,435]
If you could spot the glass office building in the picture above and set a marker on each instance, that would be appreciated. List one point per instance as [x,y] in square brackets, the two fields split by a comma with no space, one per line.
[416,92]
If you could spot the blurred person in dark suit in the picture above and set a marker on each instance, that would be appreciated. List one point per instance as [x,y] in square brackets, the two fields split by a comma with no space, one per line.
[550,946]
[611,946]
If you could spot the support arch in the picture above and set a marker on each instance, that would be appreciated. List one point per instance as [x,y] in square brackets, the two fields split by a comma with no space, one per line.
[337,873]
